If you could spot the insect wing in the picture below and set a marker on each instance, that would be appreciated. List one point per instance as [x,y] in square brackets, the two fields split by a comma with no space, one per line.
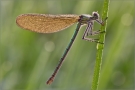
[46,23]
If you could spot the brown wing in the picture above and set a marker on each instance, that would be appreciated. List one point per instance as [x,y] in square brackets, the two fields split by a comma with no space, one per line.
[46,23]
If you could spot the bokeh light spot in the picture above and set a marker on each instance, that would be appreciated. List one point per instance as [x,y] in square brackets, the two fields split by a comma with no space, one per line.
[49,46]
[127,19]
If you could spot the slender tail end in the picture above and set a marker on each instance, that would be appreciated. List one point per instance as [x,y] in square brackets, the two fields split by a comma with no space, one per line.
[50,80]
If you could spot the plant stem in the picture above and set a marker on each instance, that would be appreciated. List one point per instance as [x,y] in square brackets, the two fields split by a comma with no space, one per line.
[100,47]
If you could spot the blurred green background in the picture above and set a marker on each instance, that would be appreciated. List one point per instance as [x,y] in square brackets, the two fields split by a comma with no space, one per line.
[27,59]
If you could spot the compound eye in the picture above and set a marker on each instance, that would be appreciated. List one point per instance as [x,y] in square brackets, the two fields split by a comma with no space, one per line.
[96,15]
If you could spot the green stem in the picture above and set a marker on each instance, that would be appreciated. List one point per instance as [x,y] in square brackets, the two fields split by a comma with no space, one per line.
[100,47]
